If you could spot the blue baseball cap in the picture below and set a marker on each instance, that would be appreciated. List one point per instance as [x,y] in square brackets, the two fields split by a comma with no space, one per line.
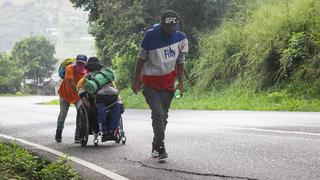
[82,58]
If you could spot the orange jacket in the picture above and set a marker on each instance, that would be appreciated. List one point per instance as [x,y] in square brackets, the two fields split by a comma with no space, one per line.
[65,90]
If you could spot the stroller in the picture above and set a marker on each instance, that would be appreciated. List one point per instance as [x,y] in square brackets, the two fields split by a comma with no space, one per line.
[85,131]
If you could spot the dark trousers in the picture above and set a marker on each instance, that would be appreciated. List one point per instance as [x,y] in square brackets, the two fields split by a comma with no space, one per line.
[64,108]
[159,102]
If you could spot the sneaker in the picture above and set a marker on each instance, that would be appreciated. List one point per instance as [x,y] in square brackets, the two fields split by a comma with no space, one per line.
[58,136]
[162,157]
[154,153]
[159,153]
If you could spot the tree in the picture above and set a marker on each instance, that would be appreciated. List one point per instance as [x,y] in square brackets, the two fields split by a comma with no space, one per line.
[36,55]
[10,74]
[116,26]
[119,25]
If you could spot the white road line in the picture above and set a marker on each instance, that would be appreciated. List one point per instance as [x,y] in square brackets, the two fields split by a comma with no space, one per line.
[87,164]
[272,131]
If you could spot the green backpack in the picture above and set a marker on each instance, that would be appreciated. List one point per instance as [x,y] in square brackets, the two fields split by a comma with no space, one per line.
[94,81]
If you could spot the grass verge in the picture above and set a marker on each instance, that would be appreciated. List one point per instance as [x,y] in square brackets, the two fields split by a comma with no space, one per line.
[18,163]
[233,100]
[229,99]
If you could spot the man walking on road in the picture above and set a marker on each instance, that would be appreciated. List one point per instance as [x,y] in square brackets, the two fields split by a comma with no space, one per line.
[160,60]
[69,95]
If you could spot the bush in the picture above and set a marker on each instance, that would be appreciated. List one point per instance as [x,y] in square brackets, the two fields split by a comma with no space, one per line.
[124,67]
[294,55]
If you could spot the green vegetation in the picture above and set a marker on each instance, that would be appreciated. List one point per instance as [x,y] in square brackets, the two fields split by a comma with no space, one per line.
[35,54]
[29,66]
[10,74]
[53,102]
[276,45]
[245,54]
[18,163]
[118,26]
[228,99]
[254,44]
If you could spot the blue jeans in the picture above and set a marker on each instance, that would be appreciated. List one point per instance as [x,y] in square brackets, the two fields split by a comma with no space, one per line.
[109,118]
[159,102]
[64,108]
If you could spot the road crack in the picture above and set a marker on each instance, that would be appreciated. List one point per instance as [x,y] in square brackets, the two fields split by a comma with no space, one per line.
[188,172]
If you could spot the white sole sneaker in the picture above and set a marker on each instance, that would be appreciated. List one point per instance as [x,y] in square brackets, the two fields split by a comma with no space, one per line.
[162,158]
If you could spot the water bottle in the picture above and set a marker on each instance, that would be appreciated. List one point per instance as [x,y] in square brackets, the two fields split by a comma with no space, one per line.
[177,94]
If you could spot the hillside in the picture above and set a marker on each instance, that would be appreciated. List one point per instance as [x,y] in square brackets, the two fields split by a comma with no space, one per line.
[268,45]
[63,25]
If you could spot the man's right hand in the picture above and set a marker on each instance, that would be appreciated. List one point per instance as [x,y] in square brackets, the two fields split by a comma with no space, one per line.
[136,86]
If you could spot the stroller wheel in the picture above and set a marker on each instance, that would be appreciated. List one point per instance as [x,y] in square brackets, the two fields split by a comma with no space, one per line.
[83,123]
[95,142]
[123,140]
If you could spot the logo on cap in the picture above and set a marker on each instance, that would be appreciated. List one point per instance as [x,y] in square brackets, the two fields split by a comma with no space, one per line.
[170,20]
[169,17]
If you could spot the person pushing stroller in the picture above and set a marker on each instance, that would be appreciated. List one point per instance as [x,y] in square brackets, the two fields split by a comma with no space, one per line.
[100,96]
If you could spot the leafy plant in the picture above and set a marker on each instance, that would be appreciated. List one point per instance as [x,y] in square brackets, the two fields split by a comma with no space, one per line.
[15,160]
[295,54]
[18,163]
[60,169]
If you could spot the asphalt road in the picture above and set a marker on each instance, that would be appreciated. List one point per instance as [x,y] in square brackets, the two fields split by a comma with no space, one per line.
[200,144]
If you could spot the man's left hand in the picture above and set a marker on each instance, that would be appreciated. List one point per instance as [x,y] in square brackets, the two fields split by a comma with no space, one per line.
[181,88]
